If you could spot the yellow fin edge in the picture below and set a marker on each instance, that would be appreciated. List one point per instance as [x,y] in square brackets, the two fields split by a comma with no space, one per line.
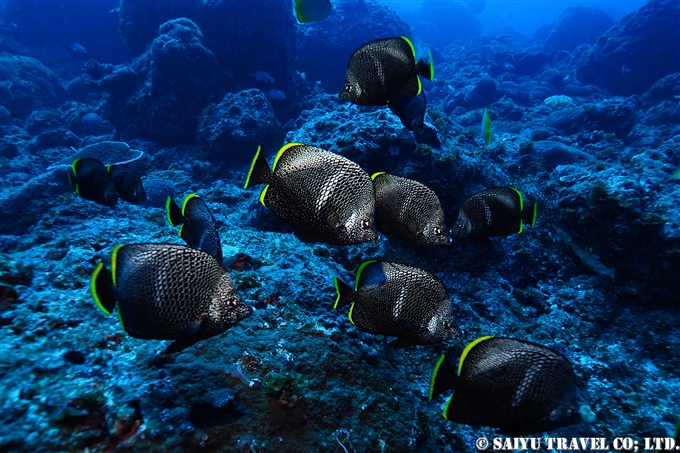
[349,315]
[408,41]
[360,270]
[263,193]
[376,174]
[283,149]
[120,317]
[93,288]
[434,375]
[467,350]
[337,291]
[114,264]
[186,200]
[252,165]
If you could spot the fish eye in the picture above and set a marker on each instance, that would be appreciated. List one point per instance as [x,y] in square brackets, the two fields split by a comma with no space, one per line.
[438,231]
[365,224]
[348,87]
[447,324]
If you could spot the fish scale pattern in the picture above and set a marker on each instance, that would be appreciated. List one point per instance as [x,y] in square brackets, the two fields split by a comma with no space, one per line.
[511,382]
[503,202]
[323,194]
[408,210]
[393,296]
[163,288]
[380,71]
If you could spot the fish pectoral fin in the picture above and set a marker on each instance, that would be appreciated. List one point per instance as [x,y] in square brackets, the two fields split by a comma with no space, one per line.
[179,345]
[400,343]
[191,328]
[408,325]
[306,237]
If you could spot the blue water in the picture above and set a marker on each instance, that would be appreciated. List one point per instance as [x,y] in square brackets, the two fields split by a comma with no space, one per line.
[584,106]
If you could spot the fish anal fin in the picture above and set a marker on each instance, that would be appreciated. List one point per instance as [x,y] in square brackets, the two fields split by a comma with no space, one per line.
[444,377]
[179,345]
[400,343]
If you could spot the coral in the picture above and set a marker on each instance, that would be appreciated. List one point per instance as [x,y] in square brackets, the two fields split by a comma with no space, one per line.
[560,101]
[107,152]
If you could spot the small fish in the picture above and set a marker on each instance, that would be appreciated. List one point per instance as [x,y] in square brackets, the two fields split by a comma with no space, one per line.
[198,228]
[411,111]
[92,181]
[168,292]
[275,95]
[128,184]
[77,48]
[385,70]
[409,211]
[493,212]
[400,301]
[262,76]
[517,386]
[327,197]
[312,10]
[486,127]
[625,69]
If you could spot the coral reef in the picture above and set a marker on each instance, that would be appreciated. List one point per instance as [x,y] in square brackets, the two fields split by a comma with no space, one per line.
[595,280]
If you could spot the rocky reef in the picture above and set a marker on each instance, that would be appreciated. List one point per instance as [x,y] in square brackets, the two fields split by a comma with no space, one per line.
[595,280]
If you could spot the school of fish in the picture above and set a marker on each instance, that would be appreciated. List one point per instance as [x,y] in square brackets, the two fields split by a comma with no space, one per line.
[183,293]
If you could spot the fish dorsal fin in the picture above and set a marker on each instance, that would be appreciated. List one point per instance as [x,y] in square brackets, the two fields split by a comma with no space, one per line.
[376,174]
[467,350]
[361,269]
[410,44]
[194,204]
[114,263]
[283,149]
[173,212]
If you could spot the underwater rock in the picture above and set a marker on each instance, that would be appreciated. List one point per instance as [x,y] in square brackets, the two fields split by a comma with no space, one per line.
[324,48]
[26,85]
[666,89]
[93,124]
[634,55]
[266,43]
[233,129]
[576,25]
[183,78]
[157,191]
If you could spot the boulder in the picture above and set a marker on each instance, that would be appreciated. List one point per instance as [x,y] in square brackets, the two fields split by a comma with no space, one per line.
[634,55]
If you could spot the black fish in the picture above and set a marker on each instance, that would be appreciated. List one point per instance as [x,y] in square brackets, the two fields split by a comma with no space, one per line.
[198,228]
[168,292]
[92,181]
[517,386]
[400,301]
[411,111]
[384,70]
[327,197]
[128,184]
[408,210]
[493,212]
